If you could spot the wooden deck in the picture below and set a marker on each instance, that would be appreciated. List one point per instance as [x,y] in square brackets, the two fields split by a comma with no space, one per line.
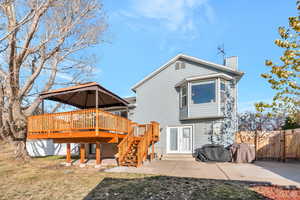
[89,124]
[96,126]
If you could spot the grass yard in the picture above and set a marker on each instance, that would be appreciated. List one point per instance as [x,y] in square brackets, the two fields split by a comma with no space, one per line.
[45,178]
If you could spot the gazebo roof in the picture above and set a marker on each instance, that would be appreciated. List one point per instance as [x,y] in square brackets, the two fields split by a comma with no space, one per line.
[83,96]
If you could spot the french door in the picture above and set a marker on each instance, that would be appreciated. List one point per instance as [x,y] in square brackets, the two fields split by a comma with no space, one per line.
[179,139]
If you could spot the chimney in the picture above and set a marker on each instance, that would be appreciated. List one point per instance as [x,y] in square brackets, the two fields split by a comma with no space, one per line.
[231,62]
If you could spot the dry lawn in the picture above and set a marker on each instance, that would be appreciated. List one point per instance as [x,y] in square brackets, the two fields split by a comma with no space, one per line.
[45,178]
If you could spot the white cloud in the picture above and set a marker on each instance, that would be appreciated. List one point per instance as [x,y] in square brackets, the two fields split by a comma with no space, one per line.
[210,13]
[175,15]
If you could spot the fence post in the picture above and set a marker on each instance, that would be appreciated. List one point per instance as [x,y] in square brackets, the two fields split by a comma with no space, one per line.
[152,140]
[98,153]
[255,144]
[284,149]
[68,157]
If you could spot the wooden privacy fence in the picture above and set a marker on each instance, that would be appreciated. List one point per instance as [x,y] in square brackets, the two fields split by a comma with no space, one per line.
[275,145]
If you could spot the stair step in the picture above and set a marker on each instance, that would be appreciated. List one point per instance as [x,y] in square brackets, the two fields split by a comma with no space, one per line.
[130,165]
[131,159]
[178,157]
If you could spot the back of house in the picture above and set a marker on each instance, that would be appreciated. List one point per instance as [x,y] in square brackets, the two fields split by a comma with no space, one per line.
[187,97]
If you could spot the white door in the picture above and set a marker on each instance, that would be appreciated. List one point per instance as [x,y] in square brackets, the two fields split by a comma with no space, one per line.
[179,139]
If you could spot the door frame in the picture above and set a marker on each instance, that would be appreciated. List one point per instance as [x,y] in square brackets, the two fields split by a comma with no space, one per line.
[168,139]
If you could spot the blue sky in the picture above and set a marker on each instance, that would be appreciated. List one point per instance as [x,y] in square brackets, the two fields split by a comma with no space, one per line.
[144,34]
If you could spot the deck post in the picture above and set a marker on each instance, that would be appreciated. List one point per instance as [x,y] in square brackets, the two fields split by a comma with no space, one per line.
[68,154]
[152,152]
[97,114]
[98,154]
[43,107]
[82,154]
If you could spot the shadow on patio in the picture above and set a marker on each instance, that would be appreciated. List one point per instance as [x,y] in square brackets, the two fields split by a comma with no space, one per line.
[166,187]
[289,170]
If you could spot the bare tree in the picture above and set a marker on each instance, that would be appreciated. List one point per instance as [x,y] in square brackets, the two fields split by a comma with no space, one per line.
[250,121]
[41,45]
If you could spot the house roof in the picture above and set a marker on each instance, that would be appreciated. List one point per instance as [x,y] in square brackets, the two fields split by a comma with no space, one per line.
[84,96]
[130,99]
[194,78]
[190,58]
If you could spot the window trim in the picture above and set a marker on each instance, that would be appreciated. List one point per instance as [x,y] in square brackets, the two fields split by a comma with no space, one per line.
[182,96]
[222,91]
[192,128]
[202,82]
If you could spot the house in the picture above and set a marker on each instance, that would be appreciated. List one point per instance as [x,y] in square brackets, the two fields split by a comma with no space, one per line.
[186,96]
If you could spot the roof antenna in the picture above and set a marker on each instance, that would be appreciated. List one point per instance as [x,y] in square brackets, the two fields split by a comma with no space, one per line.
[221,50]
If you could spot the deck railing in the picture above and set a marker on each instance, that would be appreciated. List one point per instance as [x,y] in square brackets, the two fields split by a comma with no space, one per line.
[156,131]
[79,120]
[144,144]
[146,134]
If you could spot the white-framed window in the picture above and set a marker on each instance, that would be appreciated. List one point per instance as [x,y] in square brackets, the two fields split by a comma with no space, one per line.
[180,139]
[177,65]
[182,65]
[203,92]
[183,96]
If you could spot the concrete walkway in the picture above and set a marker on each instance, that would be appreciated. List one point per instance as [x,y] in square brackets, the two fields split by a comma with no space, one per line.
[274,172]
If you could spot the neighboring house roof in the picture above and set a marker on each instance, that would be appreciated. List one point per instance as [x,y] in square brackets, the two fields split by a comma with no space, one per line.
[130,99]
[190,58]
[194,78]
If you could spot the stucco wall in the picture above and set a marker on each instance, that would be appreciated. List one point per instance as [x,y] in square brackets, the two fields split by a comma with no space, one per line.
[37,148]
[107,150]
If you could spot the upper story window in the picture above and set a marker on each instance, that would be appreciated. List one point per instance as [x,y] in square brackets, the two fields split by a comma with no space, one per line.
[179,65]
[204,92]
[183,96]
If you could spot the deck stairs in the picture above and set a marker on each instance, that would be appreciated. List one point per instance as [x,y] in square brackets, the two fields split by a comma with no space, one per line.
[131,158]
[134,148]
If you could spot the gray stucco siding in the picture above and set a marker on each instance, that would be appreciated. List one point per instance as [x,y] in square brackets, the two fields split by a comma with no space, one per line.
[46,147]
[183,113]
[159,93]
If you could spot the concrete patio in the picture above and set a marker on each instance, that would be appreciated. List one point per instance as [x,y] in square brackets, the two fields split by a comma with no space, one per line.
[267,171]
